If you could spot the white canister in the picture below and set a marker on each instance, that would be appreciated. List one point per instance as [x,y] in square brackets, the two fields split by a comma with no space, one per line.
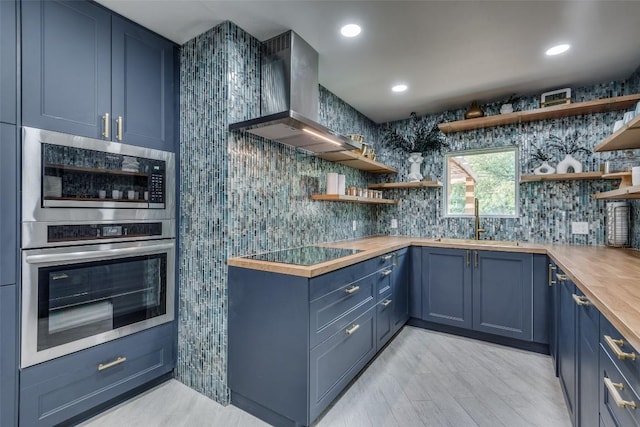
[131,194]
[628,116]
[635,175]
[102,194]
[342,189]
[115,194]
[332,183]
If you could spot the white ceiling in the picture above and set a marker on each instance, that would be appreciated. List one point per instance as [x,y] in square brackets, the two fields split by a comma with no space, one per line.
[448,52]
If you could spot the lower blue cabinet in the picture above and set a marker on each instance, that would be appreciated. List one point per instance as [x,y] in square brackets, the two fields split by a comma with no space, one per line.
[567,342]
[8,204]
[400,289]
[587,353]
[55,391]
[384,320]
[8,356]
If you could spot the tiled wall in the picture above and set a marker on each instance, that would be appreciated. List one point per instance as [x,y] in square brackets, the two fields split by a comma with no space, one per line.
[546,208]
[242,194]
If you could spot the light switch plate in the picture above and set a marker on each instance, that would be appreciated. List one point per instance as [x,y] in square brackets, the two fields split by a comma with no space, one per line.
[579,227]
[394,223]
[355,225]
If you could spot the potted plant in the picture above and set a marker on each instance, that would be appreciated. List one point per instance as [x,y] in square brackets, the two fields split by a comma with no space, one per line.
[542,158]
[568,147]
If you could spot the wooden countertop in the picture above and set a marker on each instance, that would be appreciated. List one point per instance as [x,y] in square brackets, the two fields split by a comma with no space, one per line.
[609,277]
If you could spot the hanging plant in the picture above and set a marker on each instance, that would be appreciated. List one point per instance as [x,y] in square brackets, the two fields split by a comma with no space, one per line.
[422,139]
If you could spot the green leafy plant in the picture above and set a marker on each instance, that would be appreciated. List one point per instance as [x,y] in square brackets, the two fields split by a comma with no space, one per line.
[539,156]
[569,145]
[422,139]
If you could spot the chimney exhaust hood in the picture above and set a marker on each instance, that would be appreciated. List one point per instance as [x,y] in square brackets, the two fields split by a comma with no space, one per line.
[289,98]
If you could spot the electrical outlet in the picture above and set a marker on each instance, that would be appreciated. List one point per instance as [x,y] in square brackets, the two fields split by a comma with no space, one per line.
[394,223]
[579,227]
[355,225]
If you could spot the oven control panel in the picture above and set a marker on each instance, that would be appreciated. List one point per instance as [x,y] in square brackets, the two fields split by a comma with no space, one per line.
[71,233]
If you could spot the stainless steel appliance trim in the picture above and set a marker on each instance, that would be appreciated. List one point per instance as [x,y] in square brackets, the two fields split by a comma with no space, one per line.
[116,205]
[46,257]
[32,209]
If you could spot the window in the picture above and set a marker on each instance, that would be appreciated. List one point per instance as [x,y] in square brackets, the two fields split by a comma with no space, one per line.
[488,175]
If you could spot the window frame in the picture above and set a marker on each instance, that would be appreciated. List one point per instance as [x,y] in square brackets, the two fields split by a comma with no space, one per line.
[445,186]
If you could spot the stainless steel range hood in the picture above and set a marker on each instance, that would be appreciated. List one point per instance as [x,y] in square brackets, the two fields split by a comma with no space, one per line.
[289,98]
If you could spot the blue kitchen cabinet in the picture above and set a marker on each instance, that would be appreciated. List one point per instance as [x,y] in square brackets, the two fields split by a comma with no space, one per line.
[66,66]
[446,286]
[143,86]
[8,61]
[567,339]
[502,294]
[587,353]
[400,289]
[8,356]
[415,282]
[554,289]
[8,204]
[88,72]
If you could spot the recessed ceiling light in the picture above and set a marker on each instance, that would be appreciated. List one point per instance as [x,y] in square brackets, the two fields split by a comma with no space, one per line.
[350,30]
[399,88]
[558,49]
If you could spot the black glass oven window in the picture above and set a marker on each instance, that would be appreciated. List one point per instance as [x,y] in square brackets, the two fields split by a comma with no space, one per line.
[80,300]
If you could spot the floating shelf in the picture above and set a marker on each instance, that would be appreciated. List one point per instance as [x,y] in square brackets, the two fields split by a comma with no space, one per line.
[357,161]
[351,199]
[632,192]
[624,176]
[406,184]
[563,177]
[625,138]
[565,110]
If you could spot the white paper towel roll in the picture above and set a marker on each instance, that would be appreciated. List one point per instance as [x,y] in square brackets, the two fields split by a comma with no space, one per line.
[341,185]
[635,175]
[332,183]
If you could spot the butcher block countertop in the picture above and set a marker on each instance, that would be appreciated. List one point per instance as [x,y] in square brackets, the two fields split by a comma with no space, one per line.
[609,277]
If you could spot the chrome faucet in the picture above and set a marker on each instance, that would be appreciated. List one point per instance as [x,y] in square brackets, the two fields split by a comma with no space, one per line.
[476,212]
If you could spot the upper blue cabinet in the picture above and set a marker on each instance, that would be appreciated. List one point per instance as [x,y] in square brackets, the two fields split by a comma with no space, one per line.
[8,61]
[88,72]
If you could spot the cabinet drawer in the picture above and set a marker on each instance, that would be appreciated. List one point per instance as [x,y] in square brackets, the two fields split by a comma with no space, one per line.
[384,320]
[610,412]
[629,367]
[338,360]
[333,311]
[383,282]
[55,391]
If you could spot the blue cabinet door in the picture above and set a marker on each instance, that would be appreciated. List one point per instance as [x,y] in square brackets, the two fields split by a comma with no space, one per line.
[8,203]
[589,383]
[554,289]
[8,61]
[502,293]
[8,359]
[567,342]
[446,286]
[415,282]
[384,321]
[66,66]
[400,289]
[143,87]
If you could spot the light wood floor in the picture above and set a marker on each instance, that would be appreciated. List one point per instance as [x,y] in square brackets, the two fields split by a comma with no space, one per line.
[422,378]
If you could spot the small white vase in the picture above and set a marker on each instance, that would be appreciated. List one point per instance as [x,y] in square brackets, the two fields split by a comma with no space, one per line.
[544,169]
[415,160]
[569,162]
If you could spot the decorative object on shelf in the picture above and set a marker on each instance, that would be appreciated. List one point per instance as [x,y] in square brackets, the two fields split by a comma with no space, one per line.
[555,97]
[422,140]
[507,107]
[635,175]
[474,111]
[415,160]
[618,124]
[617,219]
[568,146]
[628,116]
[356,137]
[545,168]
[332,183]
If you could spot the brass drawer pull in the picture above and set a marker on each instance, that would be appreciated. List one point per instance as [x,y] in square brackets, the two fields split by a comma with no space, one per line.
[352,289]
[580,300]
[385,272]
[561,276]
[119,360]
[386,257]
[387,302]
[352,329]
[119,122]
[551,270]
[615,345]
[613,391]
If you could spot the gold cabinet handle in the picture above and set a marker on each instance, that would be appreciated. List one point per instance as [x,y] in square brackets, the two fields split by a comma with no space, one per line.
[615,345]
[352,289]
[352,329]
[475,263]
[119,122]
[106,123]
[119,360]
[385,272]
[580,300]
[386,257]
[387,302]
[468,258]
[613,391]
[561,276]
[551,270]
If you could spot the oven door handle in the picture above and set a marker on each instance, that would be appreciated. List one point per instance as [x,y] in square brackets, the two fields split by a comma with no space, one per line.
[97,255]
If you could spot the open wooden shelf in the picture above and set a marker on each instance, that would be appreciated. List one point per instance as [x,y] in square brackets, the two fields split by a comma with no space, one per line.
[352,199]
[632,192]
[625,138]
[562,177]
[357,161]
[418,184]
[565,110]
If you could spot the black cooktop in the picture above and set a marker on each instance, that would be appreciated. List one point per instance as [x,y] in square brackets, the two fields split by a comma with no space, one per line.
[307,255]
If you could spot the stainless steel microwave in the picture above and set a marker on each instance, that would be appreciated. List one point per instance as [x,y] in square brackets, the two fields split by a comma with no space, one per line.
[76,180]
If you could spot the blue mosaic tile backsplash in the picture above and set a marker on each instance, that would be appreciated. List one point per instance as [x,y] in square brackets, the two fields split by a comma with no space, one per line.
[241,194]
